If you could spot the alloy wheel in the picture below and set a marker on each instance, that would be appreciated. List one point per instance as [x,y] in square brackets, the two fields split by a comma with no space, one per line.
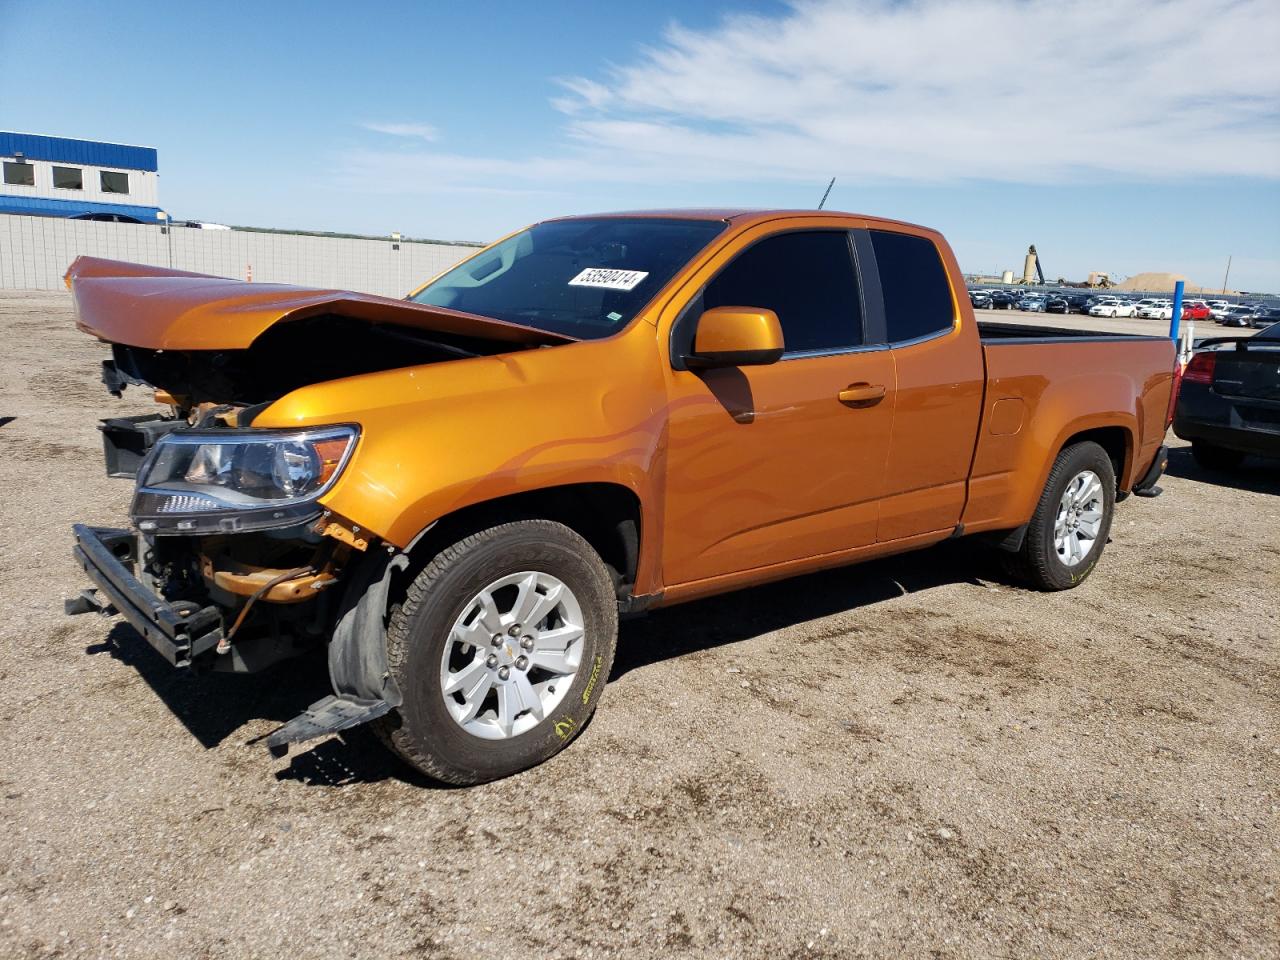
[1079,518]
[512,655]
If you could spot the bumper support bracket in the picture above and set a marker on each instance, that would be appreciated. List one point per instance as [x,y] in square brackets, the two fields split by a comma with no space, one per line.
[333,714]
[178,632]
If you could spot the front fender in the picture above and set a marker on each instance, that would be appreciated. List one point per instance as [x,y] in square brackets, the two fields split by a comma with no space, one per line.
[439,438]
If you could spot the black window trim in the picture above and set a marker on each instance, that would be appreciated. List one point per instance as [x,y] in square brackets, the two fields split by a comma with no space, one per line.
[872,293]
[680,340]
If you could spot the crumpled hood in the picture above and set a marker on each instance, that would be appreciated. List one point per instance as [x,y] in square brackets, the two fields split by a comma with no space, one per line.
[161,309]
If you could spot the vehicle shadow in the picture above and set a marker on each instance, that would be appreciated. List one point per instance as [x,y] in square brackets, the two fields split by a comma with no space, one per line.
[1255,475]
[353,756]
[743,614]
[214,706]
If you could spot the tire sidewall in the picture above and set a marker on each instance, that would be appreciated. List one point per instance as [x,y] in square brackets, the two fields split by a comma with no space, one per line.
[1084,456]
[425,721]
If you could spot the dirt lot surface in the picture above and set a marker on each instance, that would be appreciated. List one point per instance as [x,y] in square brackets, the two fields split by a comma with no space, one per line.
[907,759]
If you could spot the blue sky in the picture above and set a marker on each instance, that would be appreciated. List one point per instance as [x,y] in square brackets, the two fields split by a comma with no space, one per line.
[1114,134]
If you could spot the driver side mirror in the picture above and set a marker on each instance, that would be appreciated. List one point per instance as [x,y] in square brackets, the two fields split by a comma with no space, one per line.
[736,337]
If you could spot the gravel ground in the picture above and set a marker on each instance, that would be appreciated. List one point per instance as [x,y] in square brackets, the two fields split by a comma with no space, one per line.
[906,759]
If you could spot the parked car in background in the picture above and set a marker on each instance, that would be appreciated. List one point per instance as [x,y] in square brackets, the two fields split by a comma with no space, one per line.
[1057,305]
[1078,302]
[1154,310]
[1219,308]
[1229,398]
[1031,303]
[107,217]
[1196,310]
[1241,315]
[1002,300]
[1111,307]
[980,299]
[1266,317]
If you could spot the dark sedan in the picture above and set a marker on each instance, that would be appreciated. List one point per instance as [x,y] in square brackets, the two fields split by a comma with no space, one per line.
[1266,317]
[1229,404]
[1000,300]
[1241,315]
[1057,305]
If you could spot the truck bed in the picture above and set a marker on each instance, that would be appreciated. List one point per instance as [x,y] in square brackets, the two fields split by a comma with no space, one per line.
[1046,385]
[996,331]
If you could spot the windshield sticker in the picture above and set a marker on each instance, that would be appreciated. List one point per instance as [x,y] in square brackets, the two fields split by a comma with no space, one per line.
[608,279]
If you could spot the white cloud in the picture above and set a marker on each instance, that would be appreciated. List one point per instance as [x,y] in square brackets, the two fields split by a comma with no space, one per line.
[1032,91]
[419,131]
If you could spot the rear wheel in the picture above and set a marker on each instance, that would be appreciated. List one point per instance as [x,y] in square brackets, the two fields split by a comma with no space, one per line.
[1069,529]
[1213,457]
[501,649]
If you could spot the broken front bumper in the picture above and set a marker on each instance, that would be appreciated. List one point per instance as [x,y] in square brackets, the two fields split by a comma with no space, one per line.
[179,631]
[183,632]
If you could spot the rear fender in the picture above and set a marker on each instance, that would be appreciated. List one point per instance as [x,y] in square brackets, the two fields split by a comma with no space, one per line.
[1013,460]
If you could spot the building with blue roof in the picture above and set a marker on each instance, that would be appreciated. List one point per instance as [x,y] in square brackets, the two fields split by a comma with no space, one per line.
[84,179]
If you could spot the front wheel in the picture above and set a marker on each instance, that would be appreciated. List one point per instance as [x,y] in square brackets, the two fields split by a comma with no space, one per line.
[501,649]
[1072,521]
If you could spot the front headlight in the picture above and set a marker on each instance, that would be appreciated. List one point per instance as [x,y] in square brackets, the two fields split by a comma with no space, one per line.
[225,481]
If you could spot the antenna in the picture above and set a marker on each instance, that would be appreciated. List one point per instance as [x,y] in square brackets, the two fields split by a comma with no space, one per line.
[823,201]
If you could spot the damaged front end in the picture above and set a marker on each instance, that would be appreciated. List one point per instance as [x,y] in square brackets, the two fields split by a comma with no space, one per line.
[231,553]
[233,563]
[201,608]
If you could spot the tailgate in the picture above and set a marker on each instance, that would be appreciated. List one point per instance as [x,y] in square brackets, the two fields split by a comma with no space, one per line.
[1251,371]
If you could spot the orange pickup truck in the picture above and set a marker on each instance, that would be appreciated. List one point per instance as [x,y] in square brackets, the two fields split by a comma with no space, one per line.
[458,493]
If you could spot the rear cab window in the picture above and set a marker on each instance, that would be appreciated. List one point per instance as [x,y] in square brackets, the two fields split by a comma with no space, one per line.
[914,286]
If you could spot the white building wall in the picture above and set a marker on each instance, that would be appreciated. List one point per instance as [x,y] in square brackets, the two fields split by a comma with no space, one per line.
[143,185]
[36,251]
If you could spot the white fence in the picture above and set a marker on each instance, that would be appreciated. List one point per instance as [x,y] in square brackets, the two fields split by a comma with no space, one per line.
[36,251]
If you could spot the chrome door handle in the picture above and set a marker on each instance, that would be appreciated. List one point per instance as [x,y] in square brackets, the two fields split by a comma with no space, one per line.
[862,394]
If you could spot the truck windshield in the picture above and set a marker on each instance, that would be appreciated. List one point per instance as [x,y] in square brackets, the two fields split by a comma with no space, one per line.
[584,277]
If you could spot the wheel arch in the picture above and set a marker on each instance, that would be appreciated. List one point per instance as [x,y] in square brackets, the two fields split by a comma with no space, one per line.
[607,515]
[1116,440]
